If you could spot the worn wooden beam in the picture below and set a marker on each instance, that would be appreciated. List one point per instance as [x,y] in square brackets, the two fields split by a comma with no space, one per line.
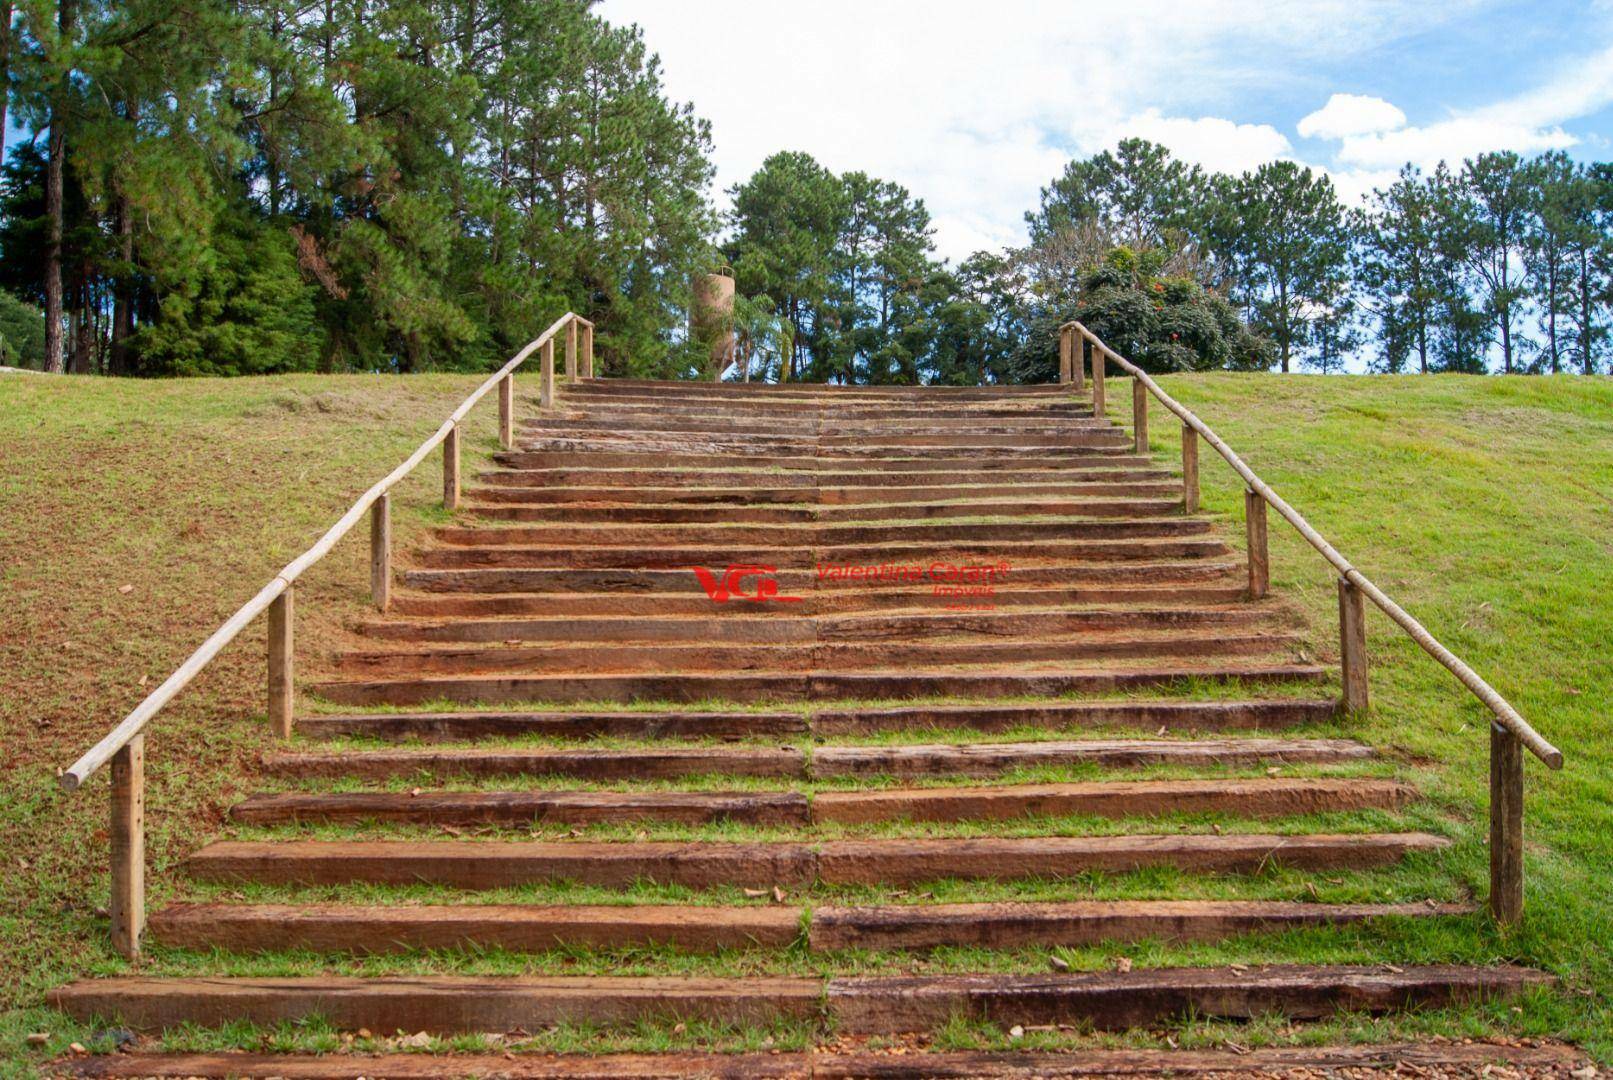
[1078,360]
[1139,417]
[128,904]
[506,412]
[1506,826]
[381,552]
[1353,644]
[587,350]
[282,662]
[450,469]
[1254,517]
[1190,470]
[546,379]
[1100,403]
[571,351]
[1066,344]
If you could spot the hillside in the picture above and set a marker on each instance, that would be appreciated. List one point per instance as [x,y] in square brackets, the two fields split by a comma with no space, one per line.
[140,514]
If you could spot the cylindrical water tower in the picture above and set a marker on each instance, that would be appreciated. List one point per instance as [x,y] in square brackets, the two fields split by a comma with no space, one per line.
[711,317]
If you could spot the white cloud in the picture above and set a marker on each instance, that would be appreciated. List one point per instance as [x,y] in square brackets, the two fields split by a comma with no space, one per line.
[1216,144]
[1351,114]
[975,109]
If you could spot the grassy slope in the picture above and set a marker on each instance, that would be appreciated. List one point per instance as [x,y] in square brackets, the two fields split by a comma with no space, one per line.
[1484,505]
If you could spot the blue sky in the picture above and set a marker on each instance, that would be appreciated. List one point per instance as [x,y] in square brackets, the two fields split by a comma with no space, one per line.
[975,106]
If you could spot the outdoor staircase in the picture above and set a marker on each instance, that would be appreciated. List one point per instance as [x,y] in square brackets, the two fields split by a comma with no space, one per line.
[555,714]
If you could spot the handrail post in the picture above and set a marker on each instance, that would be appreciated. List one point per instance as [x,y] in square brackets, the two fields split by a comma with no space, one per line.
[1190,470]
[1353,644]
[1254,520]
[450,469]
[128,903]
[1066,344]
[588,350]
[546,379]
[381,552]
[1506,826]
[1139,417]
[282,661]
[506,411]
[1078,359]
[1100,403]
[571,351]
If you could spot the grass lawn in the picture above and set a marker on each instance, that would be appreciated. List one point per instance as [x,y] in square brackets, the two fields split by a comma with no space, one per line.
[138,515]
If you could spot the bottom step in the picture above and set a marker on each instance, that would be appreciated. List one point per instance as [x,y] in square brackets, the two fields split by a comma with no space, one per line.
[1464,1059]
[855,1006]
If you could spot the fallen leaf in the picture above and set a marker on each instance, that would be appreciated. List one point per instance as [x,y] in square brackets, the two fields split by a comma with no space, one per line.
[125,589]
[1123,964]
[1058,963]
[39,1038]
[1016,1032]
[755,893]
[77,1048]
[778,895]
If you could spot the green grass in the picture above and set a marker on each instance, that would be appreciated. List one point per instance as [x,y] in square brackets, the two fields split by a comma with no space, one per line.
[1484,506]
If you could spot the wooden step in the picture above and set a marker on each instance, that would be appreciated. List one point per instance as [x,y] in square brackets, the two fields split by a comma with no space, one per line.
[1115,1001]
[672,762]
[1174,716]
[689,656]
[780,686]
[336,928]
[444,1004]
[1421,1059]
[812,536]
[758,623]
[817,602]
[640,724]
[993,759]
[1078,514]
[648,763]
[760,808]
[633,556]
[440,1003]
[1267,797]
[716,467]
[492,864]
[634,581]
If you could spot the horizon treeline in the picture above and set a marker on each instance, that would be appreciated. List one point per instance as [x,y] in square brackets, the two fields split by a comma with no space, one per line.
[279,185]
[211,187]
[1503,264]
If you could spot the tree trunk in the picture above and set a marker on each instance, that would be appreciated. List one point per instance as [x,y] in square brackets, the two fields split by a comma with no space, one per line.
[1586,361]
[5,69]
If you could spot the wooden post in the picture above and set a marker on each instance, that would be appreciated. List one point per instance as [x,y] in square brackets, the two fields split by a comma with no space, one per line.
[1254,520]
[1078,360]
[546,380]
[1353,644]
[1139,416]
[506,411]
[1066,334]
[450,469]
[1100,404]
[1190,470]
[128,906]
[282,661]
[587,351]
[571,351]
[1506,826]
[381,552]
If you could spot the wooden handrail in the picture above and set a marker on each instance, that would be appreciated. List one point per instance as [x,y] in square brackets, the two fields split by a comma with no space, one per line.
[133,724]
[1505,714]
[1509,731]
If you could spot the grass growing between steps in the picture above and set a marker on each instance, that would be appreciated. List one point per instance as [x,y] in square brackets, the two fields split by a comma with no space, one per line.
[1484,506]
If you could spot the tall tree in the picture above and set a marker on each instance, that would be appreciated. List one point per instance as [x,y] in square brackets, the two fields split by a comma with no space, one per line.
[1393,263]
[1284,232]
[1502,202]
